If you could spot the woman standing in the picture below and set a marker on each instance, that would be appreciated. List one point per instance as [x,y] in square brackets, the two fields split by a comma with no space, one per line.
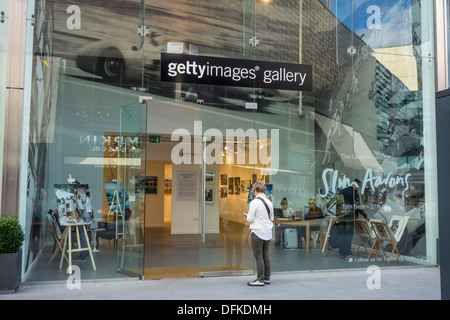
[260,217]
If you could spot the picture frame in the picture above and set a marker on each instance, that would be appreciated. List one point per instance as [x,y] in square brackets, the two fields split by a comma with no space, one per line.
[397,224]
[237,186]
[230,185]
[210,177]
[209,196]
[223,179]
[223,192]
[147,184]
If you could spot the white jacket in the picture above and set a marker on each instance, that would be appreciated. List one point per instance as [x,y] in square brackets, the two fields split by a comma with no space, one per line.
[257,216]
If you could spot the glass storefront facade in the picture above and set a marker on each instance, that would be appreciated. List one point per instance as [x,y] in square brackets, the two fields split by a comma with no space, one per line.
[153,112]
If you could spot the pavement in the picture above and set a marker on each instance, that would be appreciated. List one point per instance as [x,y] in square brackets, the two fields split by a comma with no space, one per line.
[390,283]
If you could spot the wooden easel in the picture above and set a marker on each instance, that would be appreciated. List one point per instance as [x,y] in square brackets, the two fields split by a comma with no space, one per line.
[363,229]
[331,222]
[384,234]
[67,239]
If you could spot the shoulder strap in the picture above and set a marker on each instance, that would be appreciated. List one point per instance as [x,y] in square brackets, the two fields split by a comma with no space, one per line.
[267,207]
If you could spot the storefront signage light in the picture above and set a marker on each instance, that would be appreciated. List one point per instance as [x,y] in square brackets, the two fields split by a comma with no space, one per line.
[182,68]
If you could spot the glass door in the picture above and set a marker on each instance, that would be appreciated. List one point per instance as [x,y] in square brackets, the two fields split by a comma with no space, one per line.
[128,199]
[224,246]
[226,172]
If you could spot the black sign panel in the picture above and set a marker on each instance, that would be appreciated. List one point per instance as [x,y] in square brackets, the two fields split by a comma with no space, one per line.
[235,72]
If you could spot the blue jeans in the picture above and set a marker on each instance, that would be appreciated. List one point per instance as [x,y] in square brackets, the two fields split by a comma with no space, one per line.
[261,252]
[345,237]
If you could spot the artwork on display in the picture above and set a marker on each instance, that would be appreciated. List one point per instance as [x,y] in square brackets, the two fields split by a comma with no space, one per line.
[234,185]
[147,185]
[116,195]
[248,183]
[245,185]
[209,196]
[223,179]
[210,177]
[67,195]
[397,224]
[167,184]
[230,185]
[210,188]
[65,191]
[237,185]
[223,192]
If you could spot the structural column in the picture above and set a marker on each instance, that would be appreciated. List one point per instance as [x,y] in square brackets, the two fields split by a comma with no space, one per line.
[12,134]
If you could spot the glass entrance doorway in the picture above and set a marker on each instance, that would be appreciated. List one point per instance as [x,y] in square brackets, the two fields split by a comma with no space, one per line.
[195,224]
[128,198]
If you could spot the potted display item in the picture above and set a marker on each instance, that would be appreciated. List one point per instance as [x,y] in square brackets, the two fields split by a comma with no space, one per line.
[11,240]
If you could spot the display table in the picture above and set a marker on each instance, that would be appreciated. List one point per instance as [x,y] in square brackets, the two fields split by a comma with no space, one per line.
[67,239]
[307,224]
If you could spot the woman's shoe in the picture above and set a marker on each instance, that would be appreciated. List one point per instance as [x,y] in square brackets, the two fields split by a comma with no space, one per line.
[256,283]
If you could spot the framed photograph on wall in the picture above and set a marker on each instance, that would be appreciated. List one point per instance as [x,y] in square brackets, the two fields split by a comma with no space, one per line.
[209,196]
[147,185]
[167,185]
[223,192]
[230,185]
[248,183]
[210,177]
[237,185]
[223,179]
